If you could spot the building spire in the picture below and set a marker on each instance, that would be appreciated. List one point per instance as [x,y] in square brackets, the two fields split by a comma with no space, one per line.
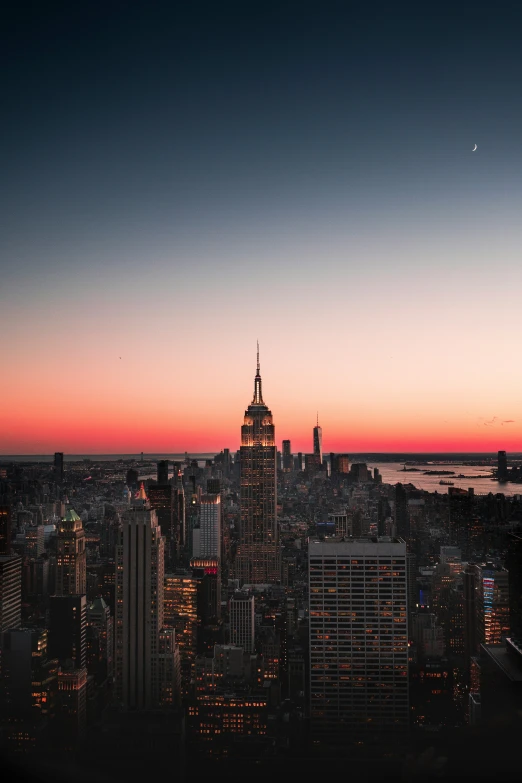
[317,418]
[258,397]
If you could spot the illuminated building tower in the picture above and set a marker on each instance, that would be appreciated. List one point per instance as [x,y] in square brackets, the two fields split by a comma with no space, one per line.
[242,625]
[207,571]
[318,443]
[210,526]
[163,471]
[5,531]
[58,467]
[358,637]
[68,629]
[502,472]
[139,608]
[492,604]
[258,557]
[514,564]
[71,562]
[288,460]
[10,592]
[181,614]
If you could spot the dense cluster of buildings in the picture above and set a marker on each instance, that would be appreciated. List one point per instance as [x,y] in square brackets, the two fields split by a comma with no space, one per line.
[260,606]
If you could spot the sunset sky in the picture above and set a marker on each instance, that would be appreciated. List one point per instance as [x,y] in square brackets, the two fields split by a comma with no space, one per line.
[178,183]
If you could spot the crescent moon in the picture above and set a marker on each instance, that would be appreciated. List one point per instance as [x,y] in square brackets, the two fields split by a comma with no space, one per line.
[474,148]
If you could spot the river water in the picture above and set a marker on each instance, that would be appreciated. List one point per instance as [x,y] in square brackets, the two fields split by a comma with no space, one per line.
[392,472]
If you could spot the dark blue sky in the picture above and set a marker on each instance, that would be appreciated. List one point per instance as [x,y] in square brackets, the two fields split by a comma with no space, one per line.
[161,113]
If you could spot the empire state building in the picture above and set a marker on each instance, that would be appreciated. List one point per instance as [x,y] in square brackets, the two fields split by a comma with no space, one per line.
[258,558]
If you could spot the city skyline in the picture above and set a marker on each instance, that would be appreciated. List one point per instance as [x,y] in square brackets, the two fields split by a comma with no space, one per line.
[168,176]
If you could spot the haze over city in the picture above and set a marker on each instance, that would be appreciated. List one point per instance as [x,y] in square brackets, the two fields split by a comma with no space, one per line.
[178,185]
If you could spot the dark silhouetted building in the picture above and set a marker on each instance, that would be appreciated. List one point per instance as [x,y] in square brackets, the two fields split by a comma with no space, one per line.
[139,609]
[5,531]
[318,442]
[163,471]
[10,592]
[68,629]
[502,466]
[288,460]
[58,467]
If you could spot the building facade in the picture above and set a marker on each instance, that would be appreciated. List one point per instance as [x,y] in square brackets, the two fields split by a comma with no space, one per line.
[242,621]
[358,637]
[139,609]
[10,592]
[258,558]
[71,558]
[210,526]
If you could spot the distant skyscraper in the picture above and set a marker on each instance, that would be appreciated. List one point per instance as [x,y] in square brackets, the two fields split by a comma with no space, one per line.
[502,466]
[210,526]
[10,592]
[162,498]
[163,471]
[288,460]
[71,559]
[139,608]
[258,557]
[58,467]
[318,442]
[242,625]
[358,637]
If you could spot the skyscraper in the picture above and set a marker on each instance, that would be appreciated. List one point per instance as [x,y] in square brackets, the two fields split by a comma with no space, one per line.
[318,443]
[58,467]
[71,560]
[242,625]
[288,460]
[68,629]
[258,558]
[163,471]
[162,498]
[139,608]
[502,472]
[210,526]
[358,637]
[10,592]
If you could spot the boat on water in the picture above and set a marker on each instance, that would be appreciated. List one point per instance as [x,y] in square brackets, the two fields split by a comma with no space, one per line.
[446,483]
